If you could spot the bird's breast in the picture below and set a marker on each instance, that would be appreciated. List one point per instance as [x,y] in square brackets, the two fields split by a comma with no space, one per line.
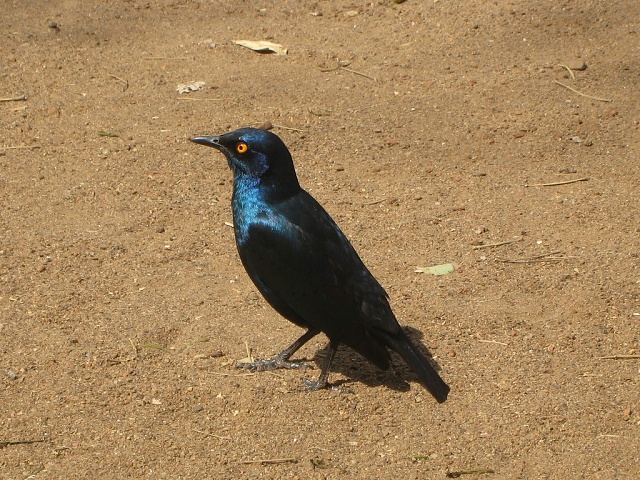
[249,208]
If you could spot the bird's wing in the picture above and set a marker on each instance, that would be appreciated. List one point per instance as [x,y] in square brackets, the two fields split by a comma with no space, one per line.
[303,259]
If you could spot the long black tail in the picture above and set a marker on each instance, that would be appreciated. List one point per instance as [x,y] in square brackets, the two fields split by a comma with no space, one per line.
[401,344]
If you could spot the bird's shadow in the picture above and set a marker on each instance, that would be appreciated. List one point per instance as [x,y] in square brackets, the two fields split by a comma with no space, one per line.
[357,369]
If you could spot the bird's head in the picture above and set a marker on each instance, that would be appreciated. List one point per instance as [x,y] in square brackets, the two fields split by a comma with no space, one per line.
[255,154]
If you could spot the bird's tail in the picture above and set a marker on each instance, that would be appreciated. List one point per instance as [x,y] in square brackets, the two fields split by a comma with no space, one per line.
[420,366]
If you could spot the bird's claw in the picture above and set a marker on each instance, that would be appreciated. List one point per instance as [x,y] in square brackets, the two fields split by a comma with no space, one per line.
[312,386]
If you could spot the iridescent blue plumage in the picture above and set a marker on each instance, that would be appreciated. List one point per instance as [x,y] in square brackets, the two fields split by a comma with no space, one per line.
[303,264]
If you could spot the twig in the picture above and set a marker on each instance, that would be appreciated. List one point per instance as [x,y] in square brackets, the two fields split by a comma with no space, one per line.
[469,472]
[19,146]
[568,69]
[33,474]
[211,434]
[270,460]
[288,128]
[375,202]
[583,94]
[498,244]
[359,73]
[14,99]
[494,341]
[126,82]
[553,184]
[537,258]
[319,113]
[619,357]
[6,443]
[355,72]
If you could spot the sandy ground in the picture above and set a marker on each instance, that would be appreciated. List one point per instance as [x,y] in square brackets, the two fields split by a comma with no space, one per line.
[124,306]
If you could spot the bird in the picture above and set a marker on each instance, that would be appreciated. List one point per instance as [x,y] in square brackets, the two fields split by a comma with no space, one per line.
[303,264]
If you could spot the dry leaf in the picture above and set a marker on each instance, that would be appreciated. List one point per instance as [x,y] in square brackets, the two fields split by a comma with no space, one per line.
[443,269]
[262,46]
[190,87]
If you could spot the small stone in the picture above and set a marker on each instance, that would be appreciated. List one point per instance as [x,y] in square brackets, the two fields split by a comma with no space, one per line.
[575,64]
[159,229]
[198,408]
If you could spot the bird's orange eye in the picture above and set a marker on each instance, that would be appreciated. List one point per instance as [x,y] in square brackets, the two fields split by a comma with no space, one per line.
[242,147]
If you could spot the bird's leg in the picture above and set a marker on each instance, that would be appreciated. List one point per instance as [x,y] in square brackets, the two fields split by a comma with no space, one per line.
[282,359]
[322,381]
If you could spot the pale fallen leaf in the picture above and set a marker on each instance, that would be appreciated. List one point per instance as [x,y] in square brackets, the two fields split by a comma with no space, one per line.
[443,269]
[262,46]
[190,87]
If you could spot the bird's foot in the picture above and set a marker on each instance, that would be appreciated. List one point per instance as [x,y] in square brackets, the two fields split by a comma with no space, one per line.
[312,386]
[262,365]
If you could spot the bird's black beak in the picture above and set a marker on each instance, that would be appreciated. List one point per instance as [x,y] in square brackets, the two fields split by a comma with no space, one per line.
[209,141]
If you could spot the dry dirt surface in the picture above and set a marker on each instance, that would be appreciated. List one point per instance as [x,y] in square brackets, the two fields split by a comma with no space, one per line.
[429,130]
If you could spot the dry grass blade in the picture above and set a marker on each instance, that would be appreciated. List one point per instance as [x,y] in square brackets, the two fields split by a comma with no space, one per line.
[207,434]
[14,99]
[270,460]
[126,82]
[498,244]
[553,184]
[599,99]
[199,99]
[355,72]
[33,474]
[619,357]
[568,69]
[545,257]
[288,128]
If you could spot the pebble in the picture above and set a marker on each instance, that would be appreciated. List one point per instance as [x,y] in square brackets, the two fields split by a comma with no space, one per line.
[575,64]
